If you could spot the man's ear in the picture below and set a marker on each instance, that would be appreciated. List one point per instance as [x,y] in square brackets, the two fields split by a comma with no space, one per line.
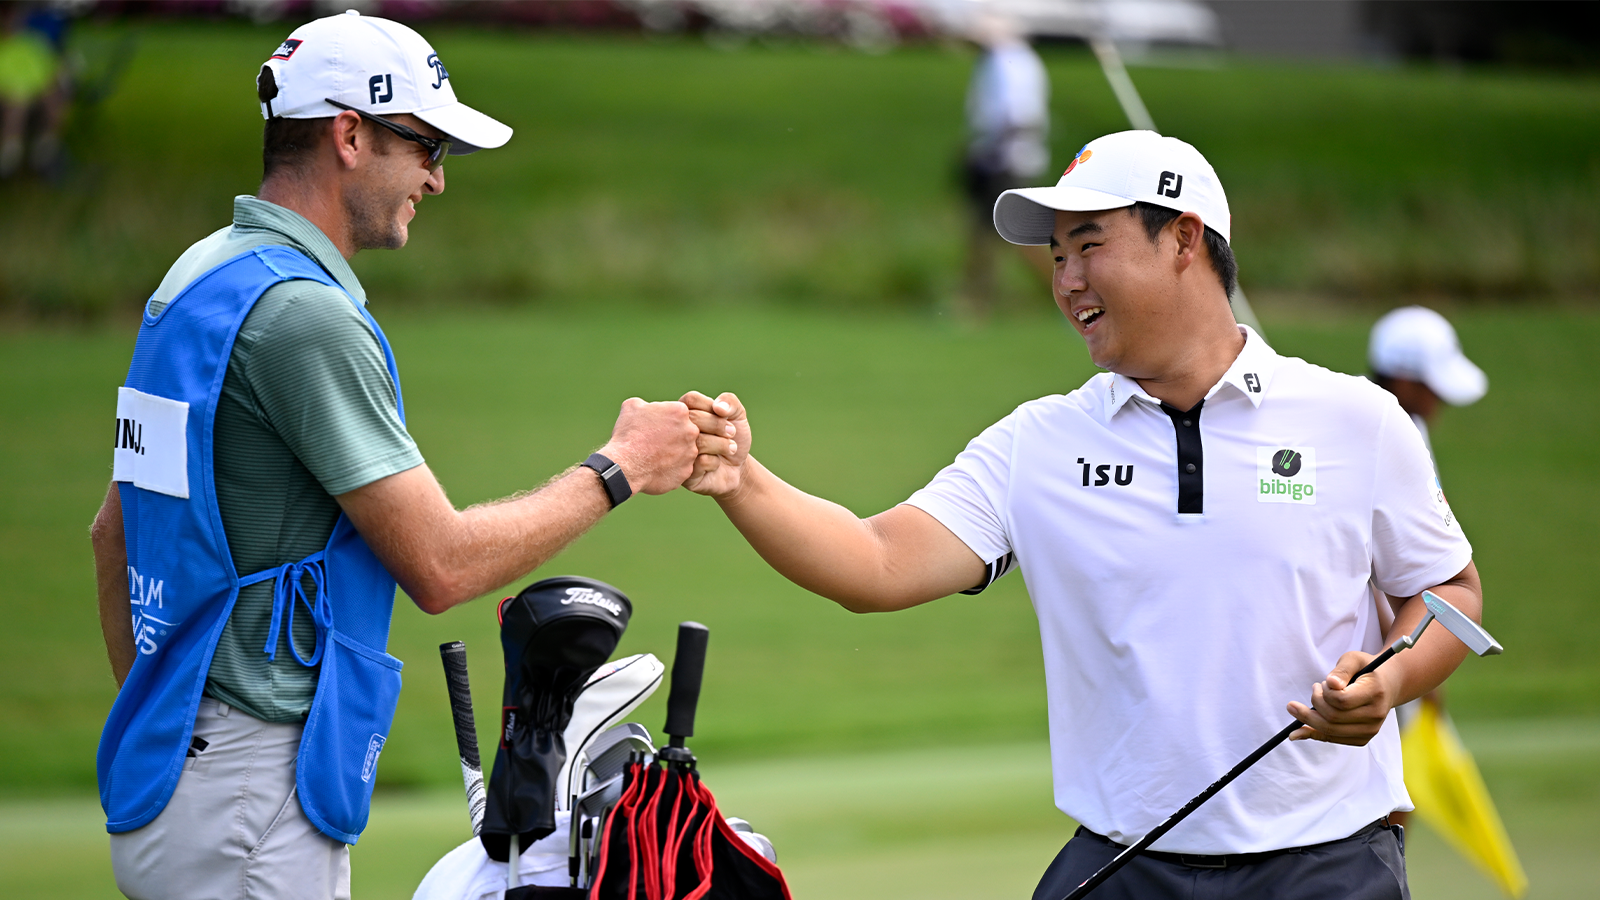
[1189,238]
[349,140]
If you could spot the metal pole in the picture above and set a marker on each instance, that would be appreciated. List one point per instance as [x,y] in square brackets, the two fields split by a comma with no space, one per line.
[1139,117]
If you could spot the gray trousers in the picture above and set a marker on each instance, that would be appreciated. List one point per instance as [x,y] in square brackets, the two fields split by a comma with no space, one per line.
[1368,865]
[233,829]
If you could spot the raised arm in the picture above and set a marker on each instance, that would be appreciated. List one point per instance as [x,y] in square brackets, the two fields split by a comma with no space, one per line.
[893,560]
[443,557]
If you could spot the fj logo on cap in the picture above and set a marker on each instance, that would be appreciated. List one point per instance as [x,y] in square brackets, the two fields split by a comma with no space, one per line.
[381,87]
[1171,184]
[438,70]
[1286,475]
[287,48]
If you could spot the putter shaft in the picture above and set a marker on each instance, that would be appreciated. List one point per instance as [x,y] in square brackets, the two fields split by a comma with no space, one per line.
[1126,856]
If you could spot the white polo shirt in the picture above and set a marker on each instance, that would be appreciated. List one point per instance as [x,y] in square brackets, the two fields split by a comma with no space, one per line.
[1193,573]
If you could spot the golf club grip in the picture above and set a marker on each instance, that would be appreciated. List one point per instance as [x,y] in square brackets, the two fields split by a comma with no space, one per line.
[688,665]
[459,687]
[1127,855]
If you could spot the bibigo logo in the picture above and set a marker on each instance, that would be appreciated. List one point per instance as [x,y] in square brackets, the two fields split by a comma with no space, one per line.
[1286,475]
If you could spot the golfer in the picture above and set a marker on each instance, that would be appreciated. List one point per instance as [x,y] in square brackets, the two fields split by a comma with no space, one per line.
[266,496]
[1197,527]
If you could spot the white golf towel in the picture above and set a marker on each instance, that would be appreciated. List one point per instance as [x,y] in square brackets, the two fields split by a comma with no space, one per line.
[467,873]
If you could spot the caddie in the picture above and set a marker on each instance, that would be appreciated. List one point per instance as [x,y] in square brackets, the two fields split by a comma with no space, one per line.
[267,497]
[1196,526]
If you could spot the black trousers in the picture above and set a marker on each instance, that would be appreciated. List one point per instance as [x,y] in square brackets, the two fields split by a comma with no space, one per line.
[1368,865]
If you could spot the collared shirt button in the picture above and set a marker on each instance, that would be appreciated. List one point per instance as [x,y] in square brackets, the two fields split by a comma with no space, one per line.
[1188,423]
[1189,468]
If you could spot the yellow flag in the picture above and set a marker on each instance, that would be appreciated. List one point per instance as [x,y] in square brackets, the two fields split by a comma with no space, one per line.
[1450,796]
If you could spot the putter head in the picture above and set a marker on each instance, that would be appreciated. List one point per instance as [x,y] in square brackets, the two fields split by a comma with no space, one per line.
[1457,623]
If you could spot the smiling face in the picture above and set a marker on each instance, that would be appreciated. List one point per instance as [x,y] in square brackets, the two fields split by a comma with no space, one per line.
[1117,288]
[383,200]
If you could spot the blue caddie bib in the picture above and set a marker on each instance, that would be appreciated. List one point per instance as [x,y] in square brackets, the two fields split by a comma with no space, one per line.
[182,583]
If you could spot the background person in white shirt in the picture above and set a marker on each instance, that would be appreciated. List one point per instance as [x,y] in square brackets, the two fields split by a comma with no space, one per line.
[1197,528]
[1008,127]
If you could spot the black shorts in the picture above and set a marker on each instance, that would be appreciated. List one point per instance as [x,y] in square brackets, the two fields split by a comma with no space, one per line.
[1368,865]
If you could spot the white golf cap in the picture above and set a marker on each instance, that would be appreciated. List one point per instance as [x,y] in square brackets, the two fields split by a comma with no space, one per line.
[1418,344]
[1115,171]
[374,65]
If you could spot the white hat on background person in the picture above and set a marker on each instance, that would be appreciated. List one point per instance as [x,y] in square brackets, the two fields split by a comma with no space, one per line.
[1418,344]
[373,65]
[1116,171]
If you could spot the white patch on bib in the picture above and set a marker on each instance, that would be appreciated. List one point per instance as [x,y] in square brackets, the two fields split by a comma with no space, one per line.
[152,447]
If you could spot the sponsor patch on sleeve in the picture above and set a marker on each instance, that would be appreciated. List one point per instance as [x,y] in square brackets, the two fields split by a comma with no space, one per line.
[1442,505]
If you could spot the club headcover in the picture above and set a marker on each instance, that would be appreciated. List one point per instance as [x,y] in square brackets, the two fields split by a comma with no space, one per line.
[555,634]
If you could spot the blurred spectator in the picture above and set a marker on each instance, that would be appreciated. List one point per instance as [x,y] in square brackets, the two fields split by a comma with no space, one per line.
[1414,355]
[34,87]
[1008,122]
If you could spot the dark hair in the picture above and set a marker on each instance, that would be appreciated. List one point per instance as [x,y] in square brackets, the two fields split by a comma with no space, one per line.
[285,143]
[1156,218]
[289,143]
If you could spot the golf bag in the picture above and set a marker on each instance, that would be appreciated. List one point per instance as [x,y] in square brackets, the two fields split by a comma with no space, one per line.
[554,634]
[665,839]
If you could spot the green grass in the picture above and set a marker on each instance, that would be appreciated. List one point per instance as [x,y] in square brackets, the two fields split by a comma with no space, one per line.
[802,175]
[928,821]
[499,400]
[785,219]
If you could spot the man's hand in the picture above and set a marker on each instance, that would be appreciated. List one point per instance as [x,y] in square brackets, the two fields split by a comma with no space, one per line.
[724,444]
[655,444]
[1345,713]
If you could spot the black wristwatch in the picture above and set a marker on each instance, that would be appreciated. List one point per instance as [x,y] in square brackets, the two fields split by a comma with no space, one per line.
[617,488]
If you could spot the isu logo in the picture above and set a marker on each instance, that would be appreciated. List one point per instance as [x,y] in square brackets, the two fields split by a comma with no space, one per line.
[1103,474]
[591,597]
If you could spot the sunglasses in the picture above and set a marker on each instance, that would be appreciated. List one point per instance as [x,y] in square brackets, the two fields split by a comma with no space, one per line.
[437,147]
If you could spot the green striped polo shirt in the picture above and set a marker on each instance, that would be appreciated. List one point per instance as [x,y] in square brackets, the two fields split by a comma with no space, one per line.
[307,412]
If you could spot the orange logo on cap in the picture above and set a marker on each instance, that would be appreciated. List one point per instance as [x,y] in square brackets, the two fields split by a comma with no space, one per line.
[1082,157]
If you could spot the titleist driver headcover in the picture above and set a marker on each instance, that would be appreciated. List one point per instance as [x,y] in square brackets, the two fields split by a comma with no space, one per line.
[555,634]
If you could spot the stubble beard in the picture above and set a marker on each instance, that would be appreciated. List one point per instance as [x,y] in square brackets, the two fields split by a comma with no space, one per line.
[374,223]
